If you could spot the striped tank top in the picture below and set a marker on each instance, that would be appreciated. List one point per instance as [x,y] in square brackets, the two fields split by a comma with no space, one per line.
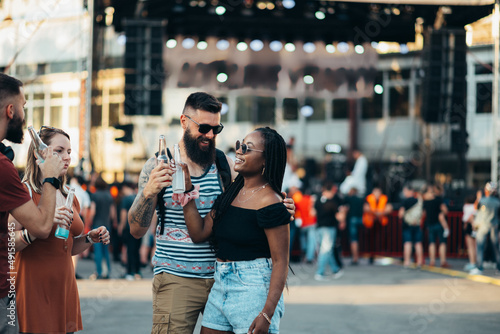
[176,253]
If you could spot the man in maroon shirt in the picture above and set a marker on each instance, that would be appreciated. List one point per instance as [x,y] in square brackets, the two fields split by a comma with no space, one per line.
[14,199]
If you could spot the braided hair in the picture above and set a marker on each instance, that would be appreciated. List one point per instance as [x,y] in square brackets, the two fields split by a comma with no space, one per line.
[274,170]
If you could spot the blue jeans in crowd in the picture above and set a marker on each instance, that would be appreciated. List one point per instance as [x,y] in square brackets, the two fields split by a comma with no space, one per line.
[481,239]
[326,238]
[308,242]
[101,251]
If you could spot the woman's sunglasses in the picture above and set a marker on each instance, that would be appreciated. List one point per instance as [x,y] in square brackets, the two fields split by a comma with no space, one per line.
[245,148]
[205,128]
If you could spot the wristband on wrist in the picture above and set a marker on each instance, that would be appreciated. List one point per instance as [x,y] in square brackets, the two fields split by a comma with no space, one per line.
[266,317]
[21,236]
[54,181]
[26,236]
[188,191]
[89,240]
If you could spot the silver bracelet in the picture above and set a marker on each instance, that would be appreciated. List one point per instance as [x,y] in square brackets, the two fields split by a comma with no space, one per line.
[89,240]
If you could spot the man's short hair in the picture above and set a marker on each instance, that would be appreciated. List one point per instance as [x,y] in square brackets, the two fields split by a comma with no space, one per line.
[202,101]
[9,87]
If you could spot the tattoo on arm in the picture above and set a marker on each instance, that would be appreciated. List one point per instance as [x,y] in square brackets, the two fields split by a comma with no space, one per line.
[143,208]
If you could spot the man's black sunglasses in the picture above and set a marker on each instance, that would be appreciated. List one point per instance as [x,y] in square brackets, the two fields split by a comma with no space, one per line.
[205,128]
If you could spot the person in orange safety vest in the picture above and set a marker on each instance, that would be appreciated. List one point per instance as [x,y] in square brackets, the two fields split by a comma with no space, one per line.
[376,209]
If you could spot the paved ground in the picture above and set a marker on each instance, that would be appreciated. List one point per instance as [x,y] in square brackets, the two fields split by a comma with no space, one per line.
[380,298]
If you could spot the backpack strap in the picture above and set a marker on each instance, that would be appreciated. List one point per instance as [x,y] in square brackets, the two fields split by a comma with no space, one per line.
[29,189]
[223,168]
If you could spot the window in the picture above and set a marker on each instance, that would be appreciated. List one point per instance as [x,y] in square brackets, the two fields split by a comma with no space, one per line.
[74,116]
[37,117]
[39,96]
[290,109]
[483,68]
[400,74]
[372,107]
[318,106]
[244,109]
[96,115]
[114,113]
[56,96]
[398,101]
[340,109]
[266,107]
[483,97]
[256,109]
[56,116]
[224,113]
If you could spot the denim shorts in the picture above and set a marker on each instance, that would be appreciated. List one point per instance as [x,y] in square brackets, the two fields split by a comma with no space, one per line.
[238,296]
[354,224]
[412,234]
[436,232]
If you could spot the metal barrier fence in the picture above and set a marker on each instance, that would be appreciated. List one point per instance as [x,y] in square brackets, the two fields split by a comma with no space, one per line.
[388,240]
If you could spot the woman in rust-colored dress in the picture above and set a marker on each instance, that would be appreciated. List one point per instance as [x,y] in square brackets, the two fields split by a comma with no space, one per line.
[46,290]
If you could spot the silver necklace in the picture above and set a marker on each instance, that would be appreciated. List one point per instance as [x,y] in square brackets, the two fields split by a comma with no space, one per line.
[254,191]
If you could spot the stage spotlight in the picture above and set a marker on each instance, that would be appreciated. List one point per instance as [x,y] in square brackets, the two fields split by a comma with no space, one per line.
[359,49]
[290,47]
[320,15]
[403,48]
[220,10]
[330,48]
[222,44]
[309,47]
[343,47]
[222,77]
[188,43]
[171,43]
[308,79]
[256,45]
[224,109]
[288,4]
[276,46]
[121,39]
[242,46]
[307,111]
[202,45]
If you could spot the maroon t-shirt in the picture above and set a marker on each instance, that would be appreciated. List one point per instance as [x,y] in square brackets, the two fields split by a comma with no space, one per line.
[12,195]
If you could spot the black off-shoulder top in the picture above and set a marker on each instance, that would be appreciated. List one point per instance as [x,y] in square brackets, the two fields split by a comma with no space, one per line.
[240,235]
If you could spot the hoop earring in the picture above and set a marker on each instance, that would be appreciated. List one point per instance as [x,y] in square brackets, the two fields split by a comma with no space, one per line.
[263,169]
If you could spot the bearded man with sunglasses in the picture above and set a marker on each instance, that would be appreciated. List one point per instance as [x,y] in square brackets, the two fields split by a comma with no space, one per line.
[183,270]
[14,199]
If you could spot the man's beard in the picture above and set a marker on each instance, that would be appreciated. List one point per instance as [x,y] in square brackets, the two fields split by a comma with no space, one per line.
[15,132]
[203,157]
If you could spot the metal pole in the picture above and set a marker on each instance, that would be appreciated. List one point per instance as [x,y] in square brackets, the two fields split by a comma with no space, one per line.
[88,114]
[494,126]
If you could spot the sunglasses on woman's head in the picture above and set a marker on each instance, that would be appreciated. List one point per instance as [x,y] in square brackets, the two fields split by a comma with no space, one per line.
[245,148]
[44,127]
[205,128]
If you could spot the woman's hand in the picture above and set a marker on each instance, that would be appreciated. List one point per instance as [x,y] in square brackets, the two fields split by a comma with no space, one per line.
[290,205]
[100,234]
[259,325]
[63,216]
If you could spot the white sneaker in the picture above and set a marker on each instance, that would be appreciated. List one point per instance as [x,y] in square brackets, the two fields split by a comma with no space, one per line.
[469,267]
[338,274]
[475,271]
[319,277]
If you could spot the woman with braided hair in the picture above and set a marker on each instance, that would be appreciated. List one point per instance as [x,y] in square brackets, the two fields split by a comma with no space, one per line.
[248,228]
